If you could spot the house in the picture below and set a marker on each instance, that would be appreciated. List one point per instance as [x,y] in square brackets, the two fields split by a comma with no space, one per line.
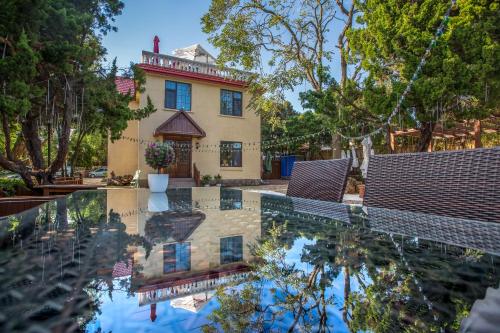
[192,253]
[202,111]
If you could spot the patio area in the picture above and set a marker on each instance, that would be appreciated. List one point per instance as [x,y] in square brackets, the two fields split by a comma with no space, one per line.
[280,186]
[188,259]
[253,166]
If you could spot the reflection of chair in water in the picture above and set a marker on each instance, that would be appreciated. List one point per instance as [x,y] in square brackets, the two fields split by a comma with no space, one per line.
[483,236]
[461,184]
[320,180]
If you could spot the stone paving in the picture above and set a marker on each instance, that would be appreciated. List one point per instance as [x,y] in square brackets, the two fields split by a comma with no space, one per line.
[279,186]
[273,186]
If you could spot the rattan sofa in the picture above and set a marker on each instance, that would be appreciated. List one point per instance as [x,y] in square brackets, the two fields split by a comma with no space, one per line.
[463,184]
[320,180]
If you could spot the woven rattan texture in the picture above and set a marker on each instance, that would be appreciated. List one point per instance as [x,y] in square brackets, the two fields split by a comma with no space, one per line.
[320,180]
[464,184]
[470,234]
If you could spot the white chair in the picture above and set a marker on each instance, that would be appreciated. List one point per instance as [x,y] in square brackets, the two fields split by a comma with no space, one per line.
[135,181]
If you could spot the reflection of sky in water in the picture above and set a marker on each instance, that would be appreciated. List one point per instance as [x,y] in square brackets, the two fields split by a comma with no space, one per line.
[123,314]
[431,274]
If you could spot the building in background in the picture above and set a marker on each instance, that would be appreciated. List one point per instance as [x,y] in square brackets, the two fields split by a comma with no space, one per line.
[202,111]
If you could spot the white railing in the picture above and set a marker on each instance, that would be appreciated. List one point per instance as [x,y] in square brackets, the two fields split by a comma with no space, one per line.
[190,288]
[187,65]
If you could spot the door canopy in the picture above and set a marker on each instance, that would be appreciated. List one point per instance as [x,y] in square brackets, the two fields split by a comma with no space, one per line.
[180,124]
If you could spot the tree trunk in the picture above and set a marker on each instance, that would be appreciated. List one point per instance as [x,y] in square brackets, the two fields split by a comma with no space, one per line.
[425,136]
[63,139]
[33,143]
[343,46]
[477,134]
[347,291]
[391,142]
[336,146]
[76,152]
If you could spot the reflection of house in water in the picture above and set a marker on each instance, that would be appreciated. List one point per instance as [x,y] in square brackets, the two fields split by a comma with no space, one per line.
[199,246]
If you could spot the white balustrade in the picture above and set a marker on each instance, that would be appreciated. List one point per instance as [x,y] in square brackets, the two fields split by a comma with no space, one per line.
[159,295]
[187,65]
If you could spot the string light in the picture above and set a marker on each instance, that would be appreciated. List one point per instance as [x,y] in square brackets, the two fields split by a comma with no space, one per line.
[258,145]
[439,32]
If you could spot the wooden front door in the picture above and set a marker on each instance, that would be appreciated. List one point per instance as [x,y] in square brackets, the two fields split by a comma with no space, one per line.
[181,168]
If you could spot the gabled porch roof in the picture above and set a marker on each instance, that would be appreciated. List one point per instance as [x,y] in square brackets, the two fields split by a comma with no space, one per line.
[180,124]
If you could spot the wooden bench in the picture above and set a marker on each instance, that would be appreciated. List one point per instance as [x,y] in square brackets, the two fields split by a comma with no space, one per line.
[64,189]
[68,180]
[14,205]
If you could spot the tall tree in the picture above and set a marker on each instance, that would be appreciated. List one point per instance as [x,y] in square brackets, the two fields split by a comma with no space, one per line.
[461,79]
[294,34]
[51,74]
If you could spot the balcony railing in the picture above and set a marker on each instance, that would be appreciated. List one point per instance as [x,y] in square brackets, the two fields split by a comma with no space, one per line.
[189,288]
[182,64]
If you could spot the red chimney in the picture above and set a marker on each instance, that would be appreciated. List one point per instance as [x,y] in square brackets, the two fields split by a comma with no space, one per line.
[152,312]
[156,47]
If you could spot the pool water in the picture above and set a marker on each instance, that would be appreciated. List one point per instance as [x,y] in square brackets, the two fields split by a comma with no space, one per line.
[211,259]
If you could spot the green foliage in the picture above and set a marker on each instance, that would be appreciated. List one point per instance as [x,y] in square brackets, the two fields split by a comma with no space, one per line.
[205,180]
[286,124]
[159,155]
[14,224]
[52,71]
[9,186]
[461,79]
[18,70]
[293,36]
[92,151]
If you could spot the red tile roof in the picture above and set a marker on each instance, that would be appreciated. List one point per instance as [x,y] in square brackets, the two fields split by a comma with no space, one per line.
[122,269]
[125,85]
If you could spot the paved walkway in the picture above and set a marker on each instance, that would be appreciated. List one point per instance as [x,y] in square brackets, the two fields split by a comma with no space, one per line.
[272,186]
[94,181]
[278,186]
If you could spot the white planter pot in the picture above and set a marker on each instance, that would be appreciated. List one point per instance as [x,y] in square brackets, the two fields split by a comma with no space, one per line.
[157,182]
[157,202]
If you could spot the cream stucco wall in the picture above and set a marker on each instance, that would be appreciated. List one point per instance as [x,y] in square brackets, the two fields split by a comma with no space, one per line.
[123,153]
[205,240]
[132,204]
[205,110]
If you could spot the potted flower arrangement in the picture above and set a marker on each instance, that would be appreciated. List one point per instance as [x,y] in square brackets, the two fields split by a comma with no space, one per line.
[218,180]
[206,180]
[158,155]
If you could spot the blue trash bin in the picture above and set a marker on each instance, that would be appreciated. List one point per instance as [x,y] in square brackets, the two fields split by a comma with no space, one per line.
[287,163]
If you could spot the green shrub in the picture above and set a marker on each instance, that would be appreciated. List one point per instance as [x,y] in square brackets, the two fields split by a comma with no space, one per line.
[9,186]
[218,179]
[205,180]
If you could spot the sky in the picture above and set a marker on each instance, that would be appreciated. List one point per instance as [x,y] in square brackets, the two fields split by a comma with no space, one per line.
[176,22]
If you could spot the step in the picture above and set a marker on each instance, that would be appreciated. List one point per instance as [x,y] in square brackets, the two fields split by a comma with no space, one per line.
[181,182]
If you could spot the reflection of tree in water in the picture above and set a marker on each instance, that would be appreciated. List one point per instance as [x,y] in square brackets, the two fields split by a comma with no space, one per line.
[62,262]
[298,297]
[402,283]
[425,287]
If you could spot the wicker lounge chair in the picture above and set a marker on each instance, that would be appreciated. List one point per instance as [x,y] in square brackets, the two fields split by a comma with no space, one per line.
[463,184]
[320,180]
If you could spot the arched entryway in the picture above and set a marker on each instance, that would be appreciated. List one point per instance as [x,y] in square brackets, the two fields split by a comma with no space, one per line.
[179,130]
